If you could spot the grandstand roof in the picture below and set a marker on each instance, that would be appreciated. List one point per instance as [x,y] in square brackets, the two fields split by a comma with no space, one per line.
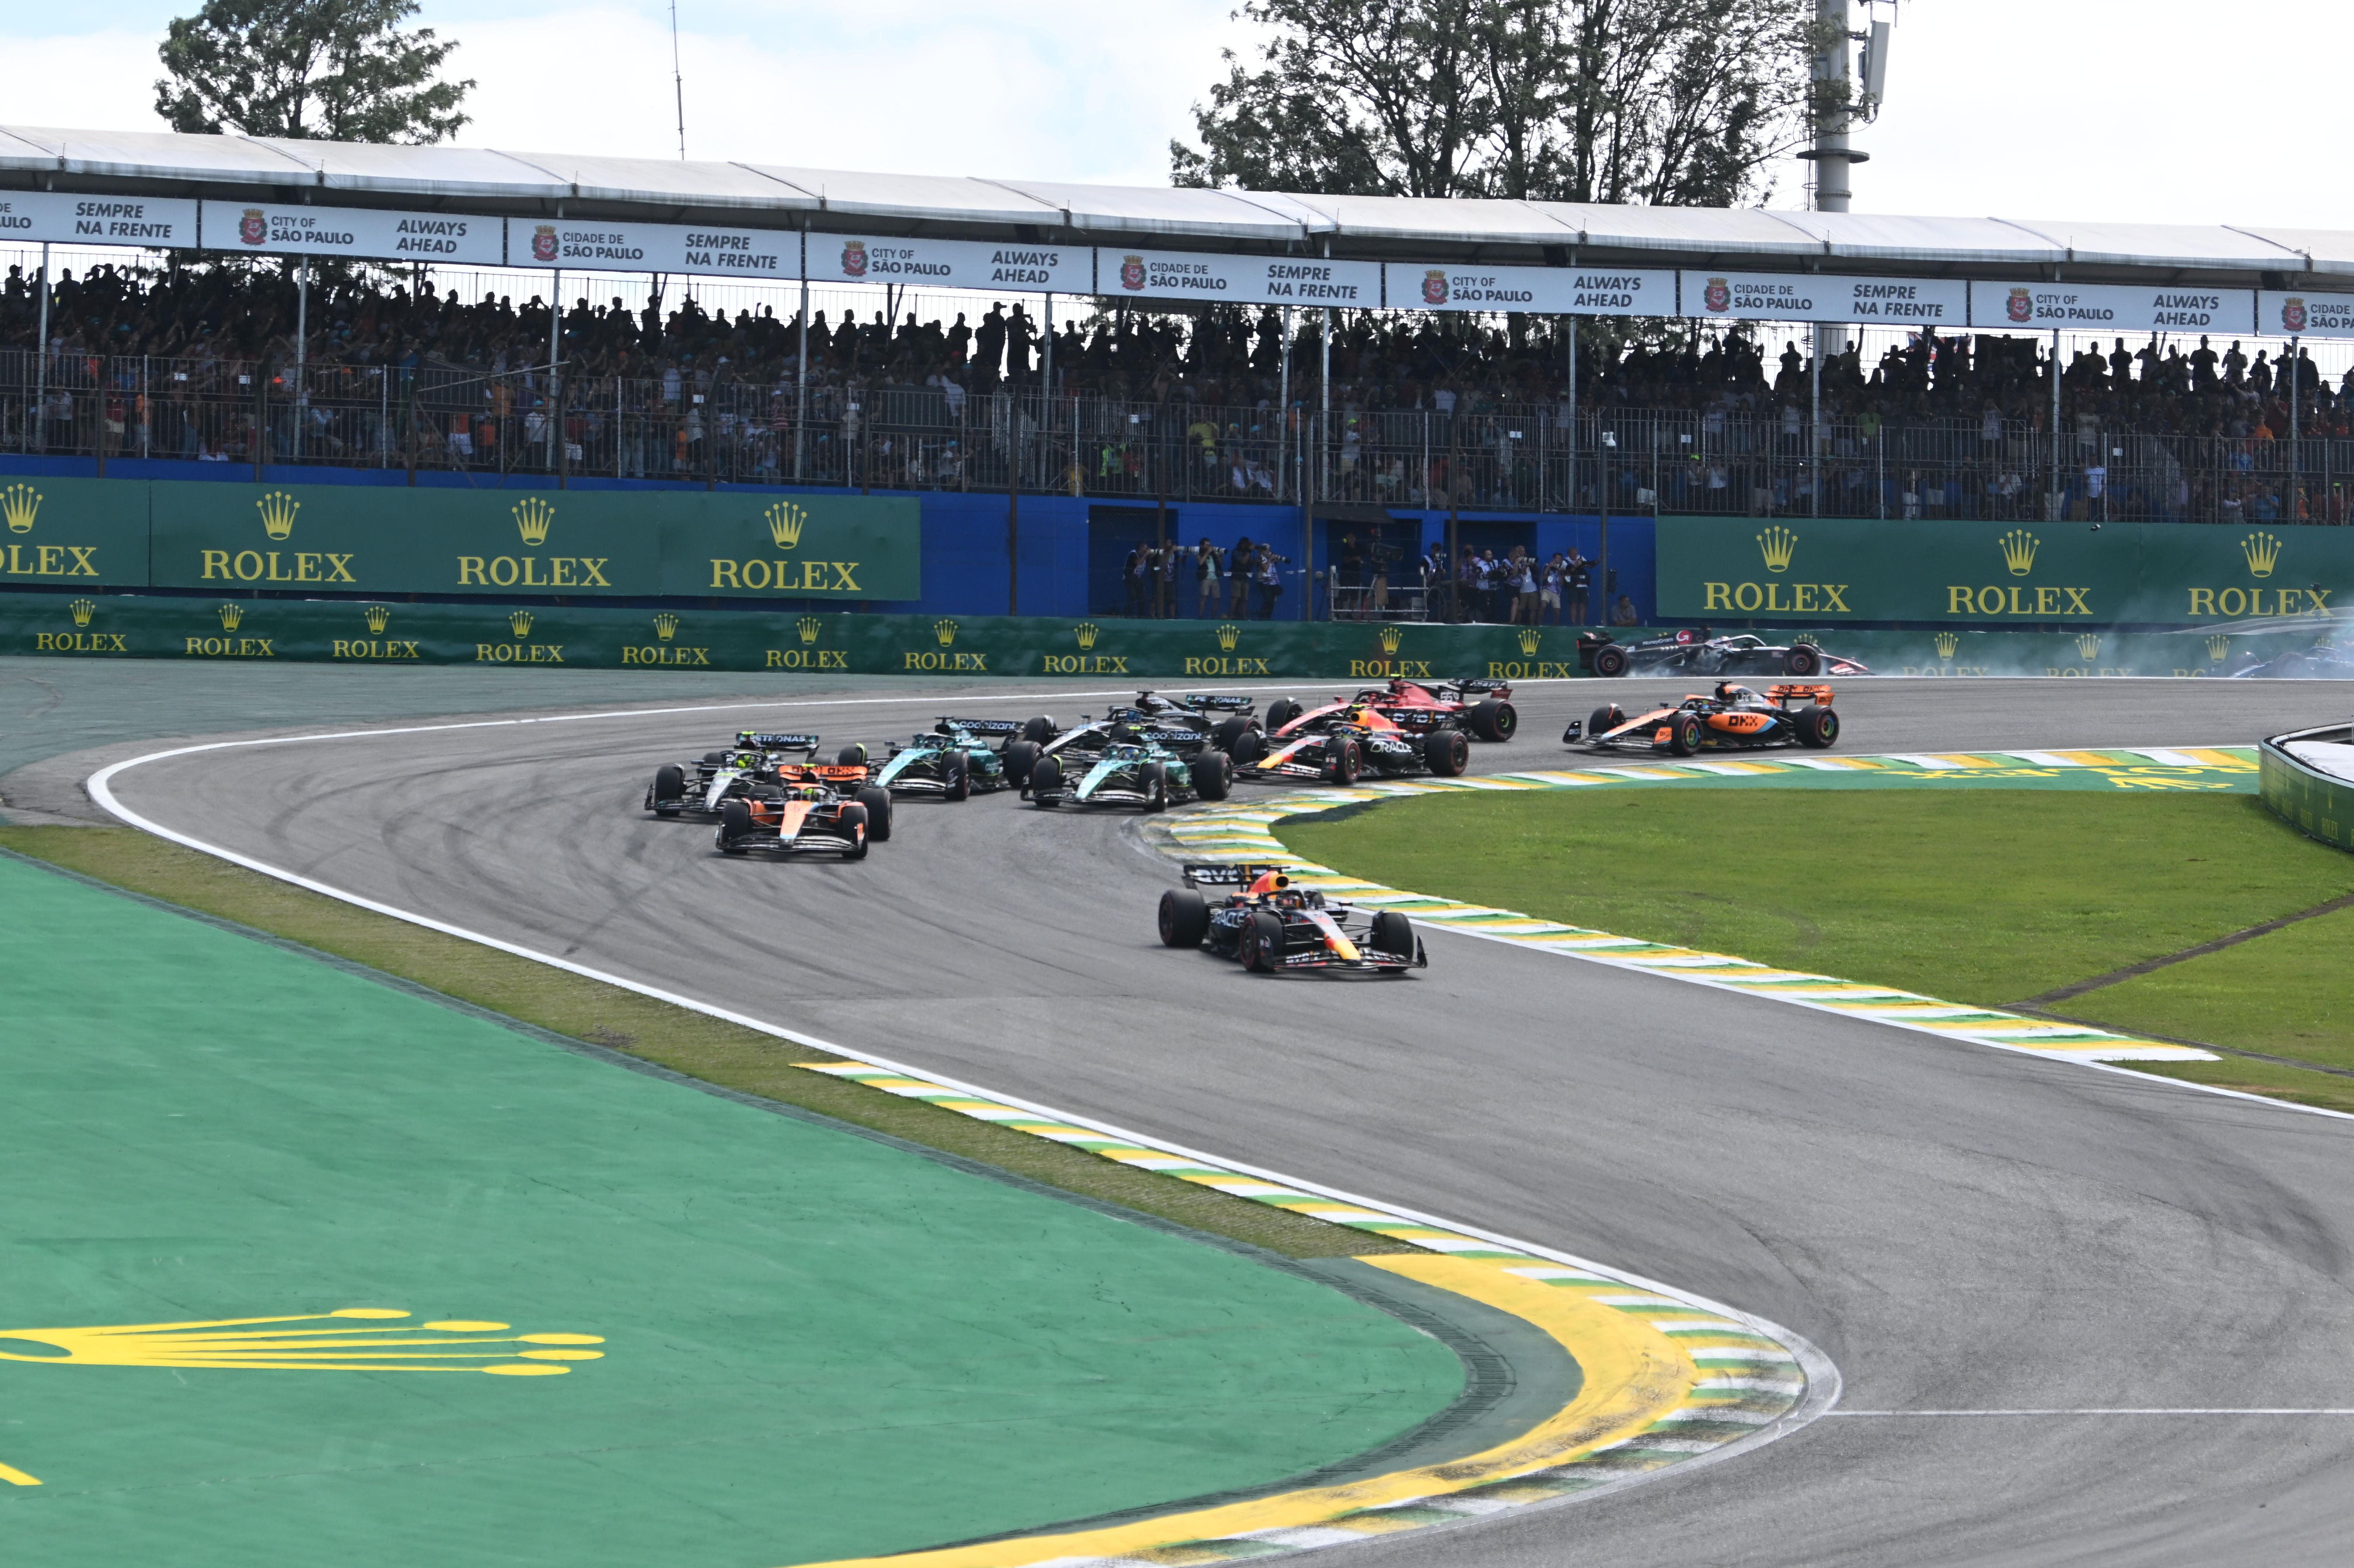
[537,185]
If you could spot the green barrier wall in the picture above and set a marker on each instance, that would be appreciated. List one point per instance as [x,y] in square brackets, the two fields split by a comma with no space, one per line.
[1721,568]
[2303,796]
[1160,653]
[363,539]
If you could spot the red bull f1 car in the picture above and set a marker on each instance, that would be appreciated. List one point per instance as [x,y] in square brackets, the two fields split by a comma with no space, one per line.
[1732,718]
[1253,913]
[1698,654]
[1343,740]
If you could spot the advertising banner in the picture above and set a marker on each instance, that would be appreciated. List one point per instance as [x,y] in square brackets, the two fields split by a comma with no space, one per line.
[267,228]
[594,245]
[2101,307]
[73,533]
[1239,280]
[38,215]
[344,539]
[1810,297]
[1009,267]
[1544,291]
[1726,568]
[2304,315]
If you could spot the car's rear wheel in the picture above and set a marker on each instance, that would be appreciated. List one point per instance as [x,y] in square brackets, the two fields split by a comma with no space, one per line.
[876,799]
[670,784]
[1039,730]
[1213,775]
[960,776]
[1445,753]
[1185,918]
[855,826]
[1493,719]
[1047,782]
[1248,747]
[1685,734]
[1229,731]
[1610,660]
[851,756]
[1281,712]
[1393,934]
[714,757]
[1802,660]
[1154,781]
[1818,728]
[1347,760]
[1021,757]
[734,826]
[1262,945]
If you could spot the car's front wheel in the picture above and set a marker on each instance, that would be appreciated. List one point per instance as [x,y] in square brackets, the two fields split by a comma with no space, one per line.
[1262,944]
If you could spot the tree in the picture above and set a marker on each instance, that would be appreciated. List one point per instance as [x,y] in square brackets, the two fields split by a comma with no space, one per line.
[339,71]
[1667,101]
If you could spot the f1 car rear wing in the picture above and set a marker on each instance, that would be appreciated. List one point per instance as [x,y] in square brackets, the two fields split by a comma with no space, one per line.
[949,725]
[1206,703]
[1480,684]
[768,740]
[1784,695]
[1226,873]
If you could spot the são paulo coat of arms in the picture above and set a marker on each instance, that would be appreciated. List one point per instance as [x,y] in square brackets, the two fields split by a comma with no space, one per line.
[1131,272]
[1434,287]
[2020,306]
[543,242]
[2293,314]
[253,229]
[853,259]
[1718,294]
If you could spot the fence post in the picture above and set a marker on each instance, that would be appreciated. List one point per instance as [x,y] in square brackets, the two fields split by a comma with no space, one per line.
[39,430]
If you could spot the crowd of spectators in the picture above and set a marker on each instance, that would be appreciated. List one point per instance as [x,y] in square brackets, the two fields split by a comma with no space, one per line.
[1229,357]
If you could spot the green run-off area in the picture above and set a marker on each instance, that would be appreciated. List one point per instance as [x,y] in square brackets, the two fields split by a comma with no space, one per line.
[813,1345]
[1962,886]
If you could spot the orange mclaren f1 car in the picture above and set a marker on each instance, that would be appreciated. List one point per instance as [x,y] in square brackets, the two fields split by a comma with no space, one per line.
[1732,718]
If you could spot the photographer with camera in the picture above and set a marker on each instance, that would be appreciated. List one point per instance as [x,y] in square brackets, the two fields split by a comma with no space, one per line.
[1268,573]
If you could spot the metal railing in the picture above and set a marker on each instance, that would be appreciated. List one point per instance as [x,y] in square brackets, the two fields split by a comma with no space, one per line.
[701,429]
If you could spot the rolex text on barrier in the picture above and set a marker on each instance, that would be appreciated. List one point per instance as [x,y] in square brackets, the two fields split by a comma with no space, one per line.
[1719,569]
[708,250]
[31,217]
[1558,291]
[72,533]
[260,227]
[1009,267]
[644,545]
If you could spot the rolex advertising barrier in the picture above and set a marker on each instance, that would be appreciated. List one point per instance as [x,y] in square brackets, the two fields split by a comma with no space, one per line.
[102,625]
[2303,773]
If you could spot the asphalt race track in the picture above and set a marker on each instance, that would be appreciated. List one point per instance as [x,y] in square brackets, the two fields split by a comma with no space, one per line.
[1959,1229]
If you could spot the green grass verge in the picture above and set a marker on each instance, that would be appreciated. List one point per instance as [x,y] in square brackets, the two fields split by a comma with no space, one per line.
[673,1037]
[1988,896]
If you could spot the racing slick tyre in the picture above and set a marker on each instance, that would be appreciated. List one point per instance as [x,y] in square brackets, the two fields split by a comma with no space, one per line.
[1493,719]
[1213,775]
[1155,779]
[878,801]
[1604,721]
[1818,728]
[1281,712]
[1610,660]
[1261,950]
[1348,761]
[1393,934]
[1047,782]
[734,826]
[1802,662]
[670,784]
[1039,730]
[1685,734]
[1248,747]
[960,776]
[1185,918]
[854,821]
[851,756]
[1445,753]
[1228,732]
[1021,757]
[714,757]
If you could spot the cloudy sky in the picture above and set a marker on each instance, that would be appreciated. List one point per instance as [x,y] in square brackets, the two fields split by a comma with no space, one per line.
[2138,110]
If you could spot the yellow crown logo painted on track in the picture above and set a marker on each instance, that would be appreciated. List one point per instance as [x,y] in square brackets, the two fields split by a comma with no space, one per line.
[20,504]
[1779,545]
[533,519]
[945,630]
[278,510]
[1228,636]
[2262,551]
[2019,547]
[521,623]
[808,626]
[1085,633]
[786,521]
[378,617]
[231,616]
[310,1342]
[665,626]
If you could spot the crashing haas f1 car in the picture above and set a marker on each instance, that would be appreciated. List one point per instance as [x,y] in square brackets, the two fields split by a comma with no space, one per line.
[1341,741]
[1698,654]
[1732,718]
[1149,767]
[1271,926]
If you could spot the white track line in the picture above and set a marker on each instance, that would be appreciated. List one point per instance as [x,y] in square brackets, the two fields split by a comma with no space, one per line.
[1823,1380]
